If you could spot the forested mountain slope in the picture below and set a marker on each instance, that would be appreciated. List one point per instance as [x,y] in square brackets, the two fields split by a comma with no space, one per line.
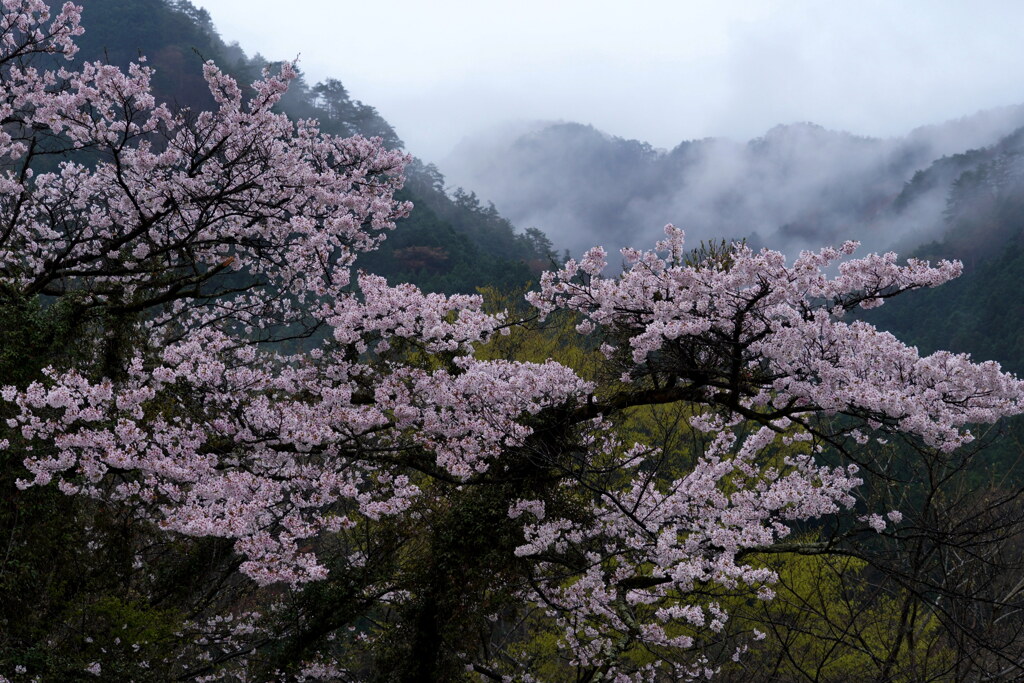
[954,190]
[798,186]
[982,312]
[450,243]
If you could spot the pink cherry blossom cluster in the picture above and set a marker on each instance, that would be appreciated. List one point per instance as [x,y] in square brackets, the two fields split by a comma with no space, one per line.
[274,450]
[224,230]
[647,548]
[404,312]
[758,335]
[173,202]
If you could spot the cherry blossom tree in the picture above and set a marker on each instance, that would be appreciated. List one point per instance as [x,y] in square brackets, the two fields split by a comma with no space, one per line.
[239,380]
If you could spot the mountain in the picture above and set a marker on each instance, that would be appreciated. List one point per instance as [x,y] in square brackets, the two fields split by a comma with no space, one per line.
[452,242]
[949,190]
[982,312]
[798,186]
[952,190]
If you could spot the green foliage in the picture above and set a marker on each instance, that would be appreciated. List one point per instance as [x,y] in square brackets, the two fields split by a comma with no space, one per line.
[71,594]
[828,622]
[174,36]
[428,250]
[537,341]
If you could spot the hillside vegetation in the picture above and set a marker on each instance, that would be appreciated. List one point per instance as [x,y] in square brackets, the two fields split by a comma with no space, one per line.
[453,242]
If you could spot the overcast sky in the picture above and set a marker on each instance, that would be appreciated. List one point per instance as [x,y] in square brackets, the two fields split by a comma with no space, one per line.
[662,71]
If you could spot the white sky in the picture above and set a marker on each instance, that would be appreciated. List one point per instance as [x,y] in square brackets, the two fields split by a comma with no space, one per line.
[662,71]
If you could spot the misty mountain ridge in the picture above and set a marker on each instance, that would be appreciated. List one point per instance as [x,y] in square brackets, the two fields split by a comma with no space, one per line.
[798,186]
[981,312]
[954,189]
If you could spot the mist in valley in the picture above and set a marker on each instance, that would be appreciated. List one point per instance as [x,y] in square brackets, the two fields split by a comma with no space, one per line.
[798,186]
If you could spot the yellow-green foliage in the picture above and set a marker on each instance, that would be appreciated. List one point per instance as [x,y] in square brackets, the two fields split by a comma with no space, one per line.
[536,342]
[829,622]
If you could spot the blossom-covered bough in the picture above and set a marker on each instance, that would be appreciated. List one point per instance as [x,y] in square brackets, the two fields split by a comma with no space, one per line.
[236,381]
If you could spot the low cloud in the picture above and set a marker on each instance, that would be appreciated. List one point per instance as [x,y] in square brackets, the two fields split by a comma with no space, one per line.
[798,186]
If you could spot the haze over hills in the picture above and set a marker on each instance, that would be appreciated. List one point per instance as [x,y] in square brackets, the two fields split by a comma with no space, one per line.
[955,189]
[982,312]
[951,190]
[798,186]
